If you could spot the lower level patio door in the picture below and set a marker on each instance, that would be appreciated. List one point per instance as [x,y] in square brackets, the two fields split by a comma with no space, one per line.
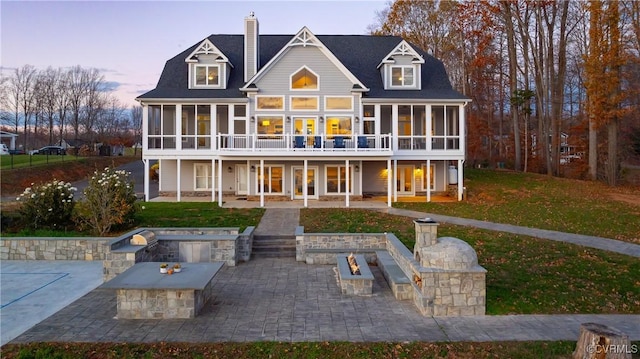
[405,182]
[241,180]
[298,182]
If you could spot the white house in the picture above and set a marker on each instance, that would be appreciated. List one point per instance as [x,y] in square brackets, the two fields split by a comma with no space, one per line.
[304,117]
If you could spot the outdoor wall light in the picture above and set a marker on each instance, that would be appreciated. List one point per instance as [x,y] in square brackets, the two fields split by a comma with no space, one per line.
[229,169]
[253,119]
[321,119]
[357,168]
[357,119]
[253,168]
[288,119]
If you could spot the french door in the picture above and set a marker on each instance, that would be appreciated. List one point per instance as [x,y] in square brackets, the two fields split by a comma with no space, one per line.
[299,184]
[405,182]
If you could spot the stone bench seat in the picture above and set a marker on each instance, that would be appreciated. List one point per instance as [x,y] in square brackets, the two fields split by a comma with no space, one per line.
[145,293]
[194,237]
[398,281]
[328,255]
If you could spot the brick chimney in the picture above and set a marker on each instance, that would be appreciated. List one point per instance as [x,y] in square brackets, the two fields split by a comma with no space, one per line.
[251,46]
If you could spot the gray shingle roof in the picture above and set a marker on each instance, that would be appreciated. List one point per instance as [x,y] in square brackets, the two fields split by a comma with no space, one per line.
[361,54]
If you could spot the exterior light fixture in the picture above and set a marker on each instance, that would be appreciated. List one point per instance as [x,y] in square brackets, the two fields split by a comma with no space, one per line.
[288,119]
[253,119]
[253,168]
[357,119]
[229,169]
[321,119]
[357,168]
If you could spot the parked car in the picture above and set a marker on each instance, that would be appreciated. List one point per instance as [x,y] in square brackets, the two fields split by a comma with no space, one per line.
[3,149]
[49,150]
[16,152]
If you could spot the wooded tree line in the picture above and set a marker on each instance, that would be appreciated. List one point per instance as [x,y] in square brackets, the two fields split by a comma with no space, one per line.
[49,105]
[536,70]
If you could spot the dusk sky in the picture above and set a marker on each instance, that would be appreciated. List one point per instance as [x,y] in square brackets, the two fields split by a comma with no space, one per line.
[131,40]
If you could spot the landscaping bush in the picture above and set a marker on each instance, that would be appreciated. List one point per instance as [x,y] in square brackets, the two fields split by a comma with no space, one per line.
[110,201]
[47,206]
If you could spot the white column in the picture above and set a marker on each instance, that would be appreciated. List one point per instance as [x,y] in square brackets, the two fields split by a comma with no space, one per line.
[146,180]
[389,180]
[219,177]
[460,179]
[261,183]
[462,131]
[428,175]
[178,182]
[348,174]
[305,190]
[214,180]
[394,127]
[213,113]
[178,129]
[145,128]
[395,180]
[248,169]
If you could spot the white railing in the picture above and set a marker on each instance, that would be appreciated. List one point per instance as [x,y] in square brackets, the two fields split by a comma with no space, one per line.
[310,143]
[288,142]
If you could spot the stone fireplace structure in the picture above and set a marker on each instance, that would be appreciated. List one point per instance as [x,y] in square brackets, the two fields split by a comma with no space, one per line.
[448,281]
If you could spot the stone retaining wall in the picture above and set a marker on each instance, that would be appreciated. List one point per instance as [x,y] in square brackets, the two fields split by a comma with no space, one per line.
[61,248]
[332,243]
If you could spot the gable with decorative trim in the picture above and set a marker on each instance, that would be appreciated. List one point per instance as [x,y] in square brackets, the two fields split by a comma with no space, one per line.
[209,68]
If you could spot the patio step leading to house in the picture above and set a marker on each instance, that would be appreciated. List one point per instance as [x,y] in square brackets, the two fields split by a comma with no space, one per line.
[274,246]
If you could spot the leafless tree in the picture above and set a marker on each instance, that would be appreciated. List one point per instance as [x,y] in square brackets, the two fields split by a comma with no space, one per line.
[48,81]
[136,122]
[62,100]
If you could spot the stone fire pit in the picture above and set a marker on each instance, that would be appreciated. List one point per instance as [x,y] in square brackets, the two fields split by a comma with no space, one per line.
[354,281]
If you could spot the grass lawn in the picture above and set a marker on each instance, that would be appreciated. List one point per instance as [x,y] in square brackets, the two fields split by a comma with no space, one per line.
[525,275]
[545,202]
[21,161]
[325,350]
[68,168]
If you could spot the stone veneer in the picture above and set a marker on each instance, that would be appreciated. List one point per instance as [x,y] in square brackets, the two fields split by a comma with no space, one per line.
[444,273]
[53,248]
[354,284]
[162,303]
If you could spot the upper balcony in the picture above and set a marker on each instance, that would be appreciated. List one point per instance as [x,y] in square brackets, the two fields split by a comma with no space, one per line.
[320,145]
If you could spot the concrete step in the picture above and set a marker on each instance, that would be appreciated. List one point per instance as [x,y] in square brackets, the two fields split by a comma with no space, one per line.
[274,246]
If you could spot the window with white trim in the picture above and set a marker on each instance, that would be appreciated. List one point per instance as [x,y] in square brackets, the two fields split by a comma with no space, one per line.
[432,177]
[273,177]
[369,120]
[336,179]
[207,75]
[338,125]
[270,102]
[338,103]
[304,103]
[304,79]
[403,76]
[203,180]
[270,125]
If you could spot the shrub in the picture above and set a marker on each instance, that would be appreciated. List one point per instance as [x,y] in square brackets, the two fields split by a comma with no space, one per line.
[110,201]
[153,172]
[47,206]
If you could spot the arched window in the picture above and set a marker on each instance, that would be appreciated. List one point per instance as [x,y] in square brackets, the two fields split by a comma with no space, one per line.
[304,79]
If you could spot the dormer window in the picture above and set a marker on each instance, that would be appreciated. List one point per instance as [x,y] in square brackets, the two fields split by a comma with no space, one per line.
[304,79]
[402,76]
[207,75]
